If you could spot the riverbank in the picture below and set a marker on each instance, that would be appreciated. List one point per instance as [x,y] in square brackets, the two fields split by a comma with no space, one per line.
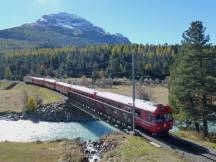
[53,112]
[53,106]
[14,98]
[57,151]
[114,147]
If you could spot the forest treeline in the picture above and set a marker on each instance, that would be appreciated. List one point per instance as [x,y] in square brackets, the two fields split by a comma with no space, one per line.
[152,61]
[92,61]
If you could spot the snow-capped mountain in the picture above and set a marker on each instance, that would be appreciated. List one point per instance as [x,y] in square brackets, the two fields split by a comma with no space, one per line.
[69,21]
[62,29]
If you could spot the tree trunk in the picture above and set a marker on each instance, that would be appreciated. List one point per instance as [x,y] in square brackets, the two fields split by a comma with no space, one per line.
[205,126]
[197,127]
[204,116]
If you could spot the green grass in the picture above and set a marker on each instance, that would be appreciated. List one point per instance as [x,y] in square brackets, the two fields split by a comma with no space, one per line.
[13,99]
[133,148]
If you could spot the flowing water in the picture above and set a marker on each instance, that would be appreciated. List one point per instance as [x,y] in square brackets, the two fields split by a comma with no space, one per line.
[27,131]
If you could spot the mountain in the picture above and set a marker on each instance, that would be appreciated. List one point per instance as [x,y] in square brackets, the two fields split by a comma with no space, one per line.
[58,30]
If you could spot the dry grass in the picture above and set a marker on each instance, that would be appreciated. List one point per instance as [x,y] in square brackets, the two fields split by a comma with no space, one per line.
[159,94]
[13,99]
[4,84]
[38,152]
[135,149]
[31,152]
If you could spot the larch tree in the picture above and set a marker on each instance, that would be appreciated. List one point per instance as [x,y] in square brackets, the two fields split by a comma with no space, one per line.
[192,78]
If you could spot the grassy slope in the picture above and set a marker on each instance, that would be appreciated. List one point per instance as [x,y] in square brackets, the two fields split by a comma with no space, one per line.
[13,99]
[39,152]
[133,148]
[31,152]
[129,148]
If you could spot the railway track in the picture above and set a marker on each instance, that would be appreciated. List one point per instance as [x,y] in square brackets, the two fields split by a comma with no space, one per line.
[191,151]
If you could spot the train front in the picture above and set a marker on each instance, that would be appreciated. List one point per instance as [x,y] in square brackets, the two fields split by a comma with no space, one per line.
[163,120]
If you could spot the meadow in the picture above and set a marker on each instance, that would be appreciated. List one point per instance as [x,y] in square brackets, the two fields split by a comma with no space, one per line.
[157,93]
[14,98]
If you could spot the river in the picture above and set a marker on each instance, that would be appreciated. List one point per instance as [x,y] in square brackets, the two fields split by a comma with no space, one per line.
[28,131]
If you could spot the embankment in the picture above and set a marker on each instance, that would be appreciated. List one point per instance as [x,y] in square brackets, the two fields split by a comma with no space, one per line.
[54,112]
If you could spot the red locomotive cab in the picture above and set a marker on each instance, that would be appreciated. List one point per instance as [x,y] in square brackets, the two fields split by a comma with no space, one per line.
[163,119]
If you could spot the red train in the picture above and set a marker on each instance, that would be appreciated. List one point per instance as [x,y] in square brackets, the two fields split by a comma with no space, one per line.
[155,118]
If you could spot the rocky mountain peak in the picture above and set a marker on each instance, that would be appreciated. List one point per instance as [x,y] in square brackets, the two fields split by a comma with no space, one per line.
[60,30]
[68,21]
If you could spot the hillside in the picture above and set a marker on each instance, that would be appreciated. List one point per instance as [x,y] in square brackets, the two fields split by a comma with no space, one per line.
[109,60]
[57,30]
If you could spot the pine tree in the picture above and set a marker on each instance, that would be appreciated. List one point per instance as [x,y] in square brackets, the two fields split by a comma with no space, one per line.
[191,77]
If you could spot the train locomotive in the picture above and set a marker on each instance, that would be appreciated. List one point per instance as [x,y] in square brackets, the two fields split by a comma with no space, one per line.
[155,118]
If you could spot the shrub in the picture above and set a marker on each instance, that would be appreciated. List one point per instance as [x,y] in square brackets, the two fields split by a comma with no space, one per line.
[31,104]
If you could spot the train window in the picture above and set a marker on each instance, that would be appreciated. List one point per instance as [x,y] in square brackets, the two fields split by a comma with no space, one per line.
[168,116]
[160,118]
[137,113]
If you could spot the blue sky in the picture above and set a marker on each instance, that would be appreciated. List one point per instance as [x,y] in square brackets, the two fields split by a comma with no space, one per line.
[142,21]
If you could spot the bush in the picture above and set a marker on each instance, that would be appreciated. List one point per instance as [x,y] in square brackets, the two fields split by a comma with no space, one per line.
[31,104]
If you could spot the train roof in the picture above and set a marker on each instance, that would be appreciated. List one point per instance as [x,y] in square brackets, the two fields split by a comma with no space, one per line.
[83,89]
[64,84]
[50,80]
[142,104]
[37,78]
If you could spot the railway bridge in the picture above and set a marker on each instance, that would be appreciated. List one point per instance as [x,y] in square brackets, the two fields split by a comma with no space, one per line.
[97,109]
